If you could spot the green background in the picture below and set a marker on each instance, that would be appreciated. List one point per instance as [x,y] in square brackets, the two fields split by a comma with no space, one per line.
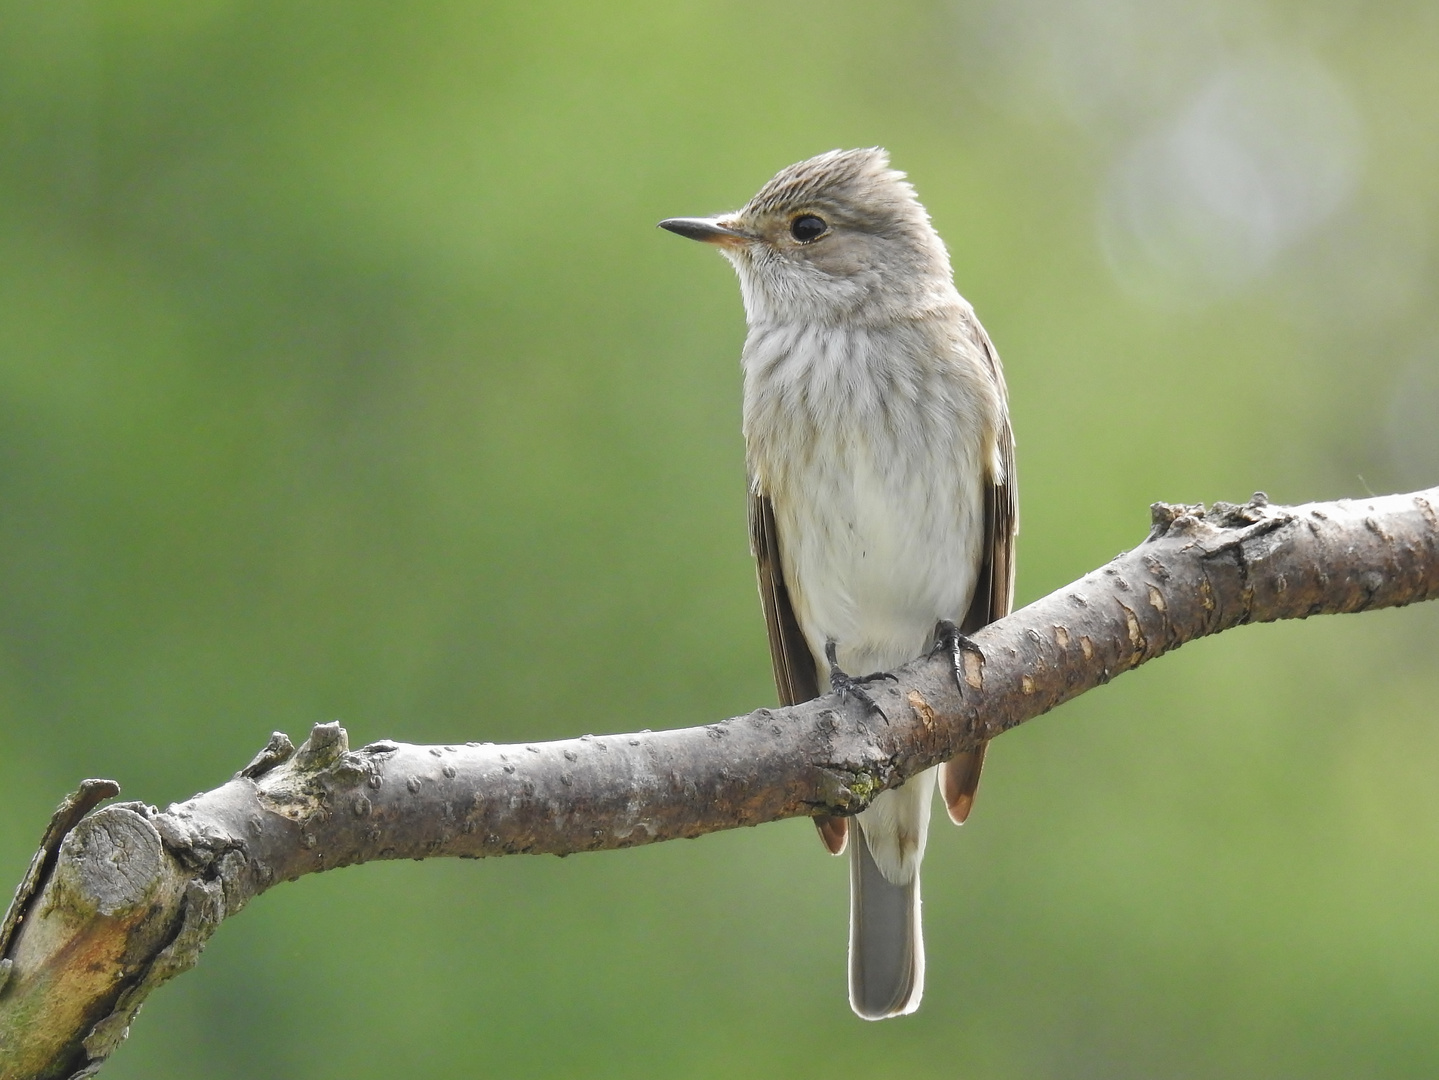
[343,374]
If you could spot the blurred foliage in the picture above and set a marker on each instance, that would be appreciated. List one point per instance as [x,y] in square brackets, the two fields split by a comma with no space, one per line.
[343,374]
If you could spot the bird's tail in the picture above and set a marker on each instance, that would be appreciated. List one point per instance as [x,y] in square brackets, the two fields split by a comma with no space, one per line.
[886,943]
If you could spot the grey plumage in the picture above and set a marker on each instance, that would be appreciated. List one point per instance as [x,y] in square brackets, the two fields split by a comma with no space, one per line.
[882,494]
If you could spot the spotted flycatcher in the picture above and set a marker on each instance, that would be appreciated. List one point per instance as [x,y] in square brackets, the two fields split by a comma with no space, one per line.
[881,489]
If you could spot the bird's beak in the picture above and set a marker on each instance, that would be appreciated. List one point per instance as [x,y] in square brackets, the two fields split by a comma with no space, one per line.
[710,230]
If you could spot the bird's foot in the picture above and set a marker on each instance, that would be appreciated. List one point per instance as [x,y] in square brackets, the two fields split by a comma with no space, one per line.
[850,686]
[951,642]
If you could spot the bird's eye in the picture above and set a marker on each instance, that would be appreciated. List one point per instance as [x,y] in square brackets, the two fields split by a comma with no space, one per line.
[807,227]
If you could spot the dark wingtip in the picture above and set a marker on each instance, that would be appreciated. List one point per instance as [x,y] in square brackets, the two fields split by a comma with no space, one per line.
[833,833]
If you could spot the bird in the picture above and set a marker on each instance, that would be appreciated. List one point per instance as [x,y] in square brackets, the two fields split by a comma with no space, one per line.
[883,505]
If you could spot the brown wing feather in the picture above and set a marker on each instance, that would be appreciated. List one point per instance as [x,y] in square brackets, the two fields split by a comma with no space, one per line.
[795,676]
[794,671]
[994,589]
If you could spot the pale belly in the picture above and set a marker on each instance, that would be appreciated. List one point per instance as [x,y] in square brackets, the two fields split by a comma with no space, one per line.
[875,555]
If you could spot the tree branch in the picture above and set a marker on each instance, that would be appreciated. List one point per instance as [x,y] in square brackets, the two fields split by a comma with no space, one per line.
[117,902]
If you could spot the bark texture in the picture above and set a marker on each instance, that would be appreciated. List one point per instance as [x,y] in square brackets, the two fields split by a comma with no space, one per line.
[119,901]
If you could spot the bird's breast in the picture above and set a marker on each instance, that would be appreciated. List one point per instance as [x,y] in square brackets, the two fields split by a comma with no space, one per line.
[873,458]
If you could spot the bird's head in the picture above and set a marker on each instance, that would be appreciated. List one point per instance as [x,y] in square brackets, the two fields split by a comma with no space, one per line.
[837,238]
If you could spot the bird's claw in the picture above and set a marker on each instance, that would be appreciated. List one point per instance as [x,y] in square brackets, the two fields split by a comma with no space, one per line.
[949,640]
[848,686]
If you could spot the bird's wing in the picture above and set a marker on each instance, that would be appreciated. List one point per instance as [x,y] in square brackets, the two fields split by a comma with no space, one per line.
[994,592]
[994,589]
[795,675]
[794,670]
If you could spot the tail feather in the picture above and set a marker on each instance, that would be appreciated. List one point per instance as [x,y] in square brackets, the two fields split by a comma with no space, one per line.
[886,944]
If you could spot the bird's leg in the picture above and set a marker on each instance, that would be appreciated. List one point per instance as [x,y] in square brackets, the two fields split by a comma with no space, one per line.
[849,686]
[948,639]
